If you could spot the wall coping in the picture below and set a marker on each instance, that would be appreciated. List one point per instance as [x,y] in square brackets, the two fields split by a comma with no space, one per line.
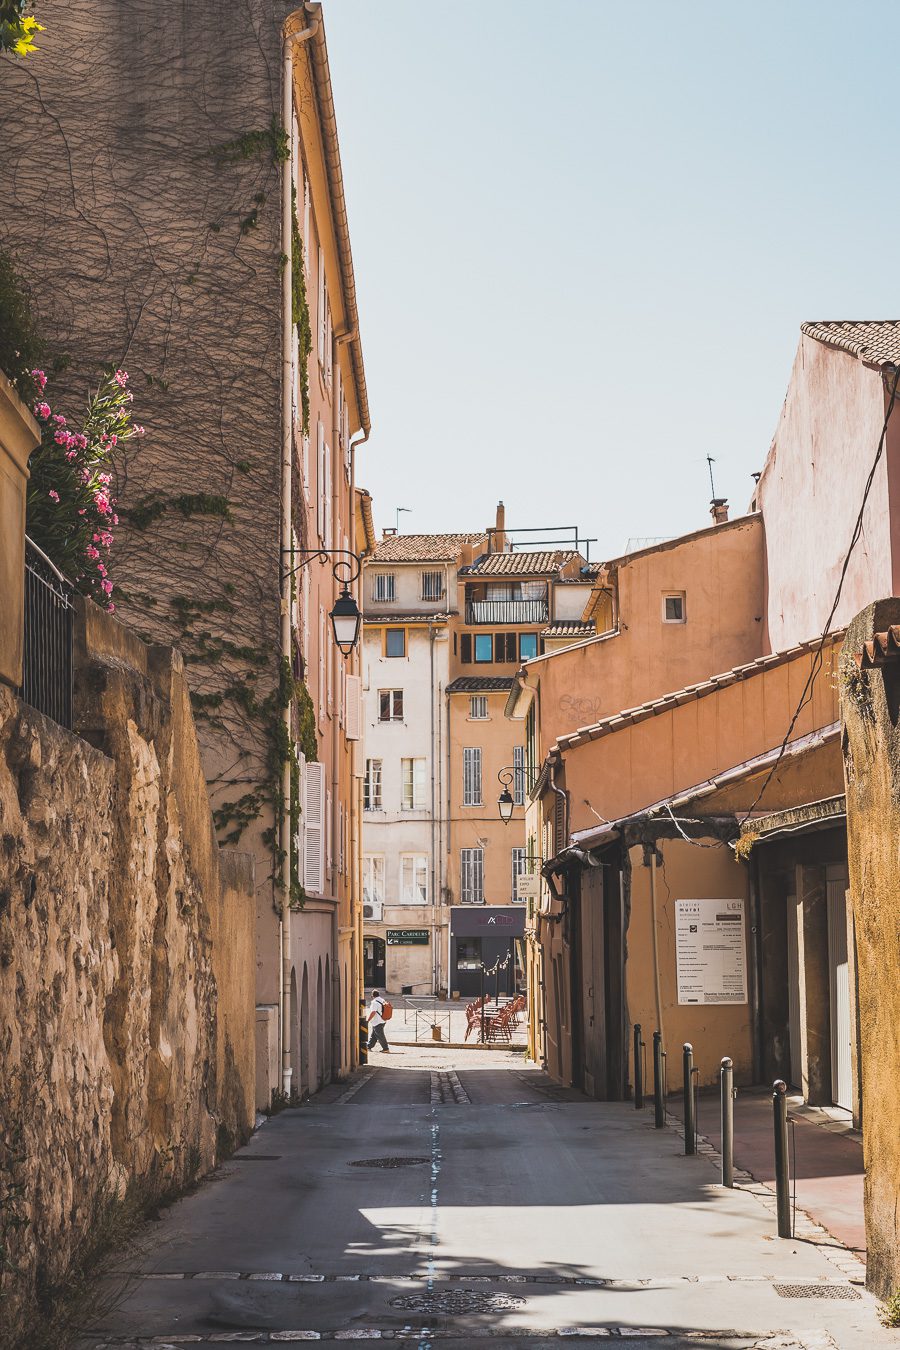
[19,432]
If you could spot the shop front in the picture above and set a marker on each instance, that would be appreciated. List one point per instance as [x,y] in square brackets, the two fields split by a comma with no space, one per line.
[481,936]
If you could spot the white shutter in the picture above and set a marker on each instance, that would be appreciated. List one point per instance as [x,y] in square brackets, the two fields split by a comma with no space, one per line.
[299,837]
[328,493]
[314,850]
[353,711]
[329,834]
[320,480]
[419,784]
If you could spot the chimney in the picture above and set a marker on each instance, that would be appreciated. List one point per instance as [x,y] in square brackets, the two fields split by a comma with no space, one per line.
[497,536]
[388,532]
[718,509]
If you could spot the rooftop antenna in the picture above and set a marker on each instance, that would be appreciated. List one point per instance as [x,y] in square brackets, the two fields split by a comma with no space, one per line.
[710,461]
[406,510]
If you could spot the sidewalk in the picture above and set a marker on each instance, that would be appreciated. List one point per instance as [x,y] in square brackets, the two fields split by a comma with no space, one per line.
[828,1151]
[413,1018]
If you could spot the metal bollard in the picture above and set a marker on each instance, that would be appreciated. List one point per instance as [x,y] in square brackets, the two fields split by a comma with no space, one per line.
[659,1104]
[690,1127]
[638,1069]
[782,1168]
[726,1088]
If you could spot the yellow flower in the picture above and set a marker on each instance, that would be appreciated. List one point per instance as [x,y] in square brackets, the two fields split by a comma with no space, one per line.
[28,28]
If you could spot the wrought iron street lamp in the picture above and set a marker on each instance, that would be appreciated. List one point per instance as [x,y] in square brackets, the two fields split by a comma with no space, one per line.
[506,802]
[346,619]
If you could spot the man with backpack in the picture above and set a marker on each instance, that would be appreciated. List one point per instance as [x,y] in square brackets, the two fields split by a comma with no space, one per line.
[380,1011]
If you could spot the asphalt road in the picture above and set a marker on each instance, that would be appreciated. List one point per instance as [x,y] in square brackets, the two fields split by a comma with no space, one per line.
[464,1199]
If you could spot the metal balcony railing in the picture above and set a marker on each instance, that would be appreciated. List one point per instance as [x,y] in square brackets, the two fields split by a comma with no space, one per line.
[47,676]
[507,611]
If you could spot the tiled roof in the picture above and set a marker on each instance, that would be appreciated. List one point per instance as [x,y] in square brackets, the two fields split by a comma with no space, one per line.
[542,563]
[882,650]
[630,716]
[876,341]
[569,628]
[404,616]
[480,684]
[423,547]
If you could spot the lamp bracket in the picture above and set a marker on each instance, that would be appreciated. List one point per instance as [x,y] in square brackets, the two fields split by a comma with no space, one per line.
[345,571]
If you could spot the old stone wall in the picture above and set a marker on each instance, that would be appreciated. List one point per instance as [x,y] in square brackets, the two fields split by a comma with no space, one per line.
[126,960]
[870,706]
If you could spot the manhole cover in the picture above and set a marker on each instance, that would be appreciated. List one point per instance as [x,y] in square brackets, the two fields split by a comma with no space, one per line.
[816,1291]
[389,1162]
[457,1302]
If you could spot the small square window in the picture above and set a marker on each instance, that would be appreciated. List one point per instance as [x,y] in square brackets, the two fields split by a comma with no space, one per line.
[432,585]
[673,607]
[478,707]
[383,587]
[484,647]
[395,642]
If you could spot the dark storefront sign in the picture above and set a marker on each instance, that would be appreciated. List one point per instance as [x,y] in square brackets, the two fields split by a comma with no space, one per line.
[482,935]
[491,921]
[408,937]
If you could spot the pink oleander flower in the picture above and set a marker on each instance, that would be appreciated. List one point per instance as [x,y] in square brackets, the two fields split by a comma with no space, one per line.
[42,411]
[111,609]
[59,419]
[106,538]
[53,495]
[61,437]
[40,379]
[79,441]
[115,521]
[101,569]
[104,478]
[71,454]
[121,378]
[106,587]
[92,553]
[82,510]
[138,430]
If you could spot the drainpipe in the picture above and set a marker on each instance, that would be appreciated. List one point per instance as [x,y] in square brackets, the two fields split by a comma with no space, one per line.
[659,1016]
[356,918]
[434,897]
[289,38]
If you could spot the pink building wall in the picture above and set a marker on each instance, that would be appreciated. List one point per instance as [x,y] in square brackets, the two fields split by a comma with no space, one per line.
[811,489]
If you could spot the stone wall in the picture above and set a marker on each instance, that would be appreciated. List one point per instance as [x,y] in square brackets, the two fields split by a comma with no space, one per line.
[127,959]
[870,706]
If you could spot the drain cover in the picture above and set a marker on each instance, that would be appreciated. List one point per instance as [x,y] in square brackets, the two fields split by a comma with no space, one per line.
[389,1162]
[816,1291]
[457,1302]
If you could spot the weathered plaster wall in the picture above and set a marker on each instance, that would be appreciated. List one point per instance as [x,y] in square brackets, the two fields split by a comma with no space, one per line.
[126,957]
[870,707]
[810,492]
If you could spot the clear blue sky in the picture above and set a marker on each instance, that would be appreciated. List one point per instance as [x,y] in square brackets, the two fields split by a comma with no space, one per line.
[586,234]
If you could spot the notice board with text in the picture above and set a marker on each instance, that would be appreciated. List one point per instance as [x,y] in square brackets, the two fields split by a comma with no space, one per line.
[710,951]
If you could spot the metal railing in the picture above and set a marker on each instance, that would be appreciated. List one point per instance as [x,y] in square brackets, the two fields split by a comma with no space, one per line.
[507,611]
[47,674]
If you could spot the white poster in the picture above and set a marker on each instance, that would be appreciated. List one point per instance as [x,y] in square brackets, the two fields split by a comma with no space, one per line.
[710,951]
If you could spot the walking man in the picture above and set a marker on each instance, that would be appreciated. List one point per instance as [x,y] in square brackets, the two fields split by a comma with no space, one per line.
[376,1023]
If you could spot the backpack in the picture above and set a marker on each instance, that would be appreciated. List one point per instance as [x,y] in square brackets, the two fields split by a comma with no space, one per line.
[387,1010]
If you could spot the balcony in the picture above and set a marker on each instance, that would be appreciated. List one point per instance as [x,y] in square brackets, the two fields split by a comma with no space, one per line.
[507,611]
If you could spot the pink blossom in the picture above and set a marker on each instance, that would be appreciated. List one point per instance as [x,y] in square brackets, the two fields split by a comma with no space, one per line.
[82,510]
[42,410]
[101,569]
[59,419]
[92,553]
[106,586]
[104,477]
[79,441]
[40,379]
[106,537]
[115,521]
[111,608]
[71,454]
[121,378]
[53,495]
[61,437]
[138,430]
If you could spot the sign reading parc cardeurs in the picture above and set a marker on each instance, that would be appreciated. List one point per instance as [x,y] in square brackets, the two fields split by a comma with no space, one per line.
[710,951]
[408,937]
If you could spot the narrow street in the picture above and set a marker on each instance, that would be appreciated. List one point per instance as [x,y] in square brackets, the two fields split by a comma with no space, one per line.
[462,1196]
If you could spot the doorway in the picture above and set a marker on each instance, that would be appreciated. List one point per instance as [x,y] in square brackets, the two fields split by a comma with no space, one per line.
[793,961]
[839,989]
[374,963]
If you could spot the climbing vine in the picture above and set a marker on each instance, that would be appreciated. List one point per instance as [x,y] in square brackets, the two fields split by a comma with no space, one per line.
[300,313]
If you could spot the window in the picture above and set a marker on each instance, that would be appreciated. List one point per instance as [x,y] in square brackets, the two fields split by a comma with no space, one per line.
[528,646]
[383,586]
[518,870]
[673,607]
[432,585]
[519,775]
[484,647]
[372,788]
[373,879]
[478,708]
[465,649]
[471,876]
[412,775]
[413,879]
[472,777]
[395,642]
[468,953]
[390,705]
[505,647]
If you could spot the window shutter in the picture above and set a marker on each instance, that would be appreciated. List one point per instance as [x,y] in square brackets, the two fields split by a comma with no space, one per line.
[299,837]
[313,831]
[419,784]
[465,649]
[320,480]
[519,780]
[327,496]
[329,834]
[353,712]
[559,823]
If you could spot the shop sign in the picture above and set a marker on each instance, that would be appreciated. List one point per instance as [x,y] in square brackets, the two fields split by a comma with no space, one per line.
[408,937]
[710,951]
[528,886]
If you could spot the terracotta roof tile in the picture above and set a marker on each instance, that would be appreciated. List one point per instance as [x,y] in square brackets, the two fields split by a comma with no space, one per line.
[569,628]
[424,547]
[404,616]
[875,341]
[881,650]
[480,684]
[542,563]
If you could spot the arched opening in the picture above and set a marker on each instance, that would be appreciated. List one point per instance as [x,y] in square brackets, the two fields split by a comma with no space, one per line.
[304,1034]
[295,1035]
[320,1028]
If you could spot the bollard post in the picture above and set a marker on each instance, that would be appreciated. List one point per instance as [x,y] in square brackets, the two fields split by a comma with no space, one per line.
[687,1070]
[726,1088]
[482,1003]
[782,1170]
[659,1105]
[638,1069]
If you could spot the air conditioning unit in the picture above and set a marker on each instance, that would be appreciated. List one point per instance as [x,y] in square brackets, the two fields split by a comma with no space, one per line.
[373,911]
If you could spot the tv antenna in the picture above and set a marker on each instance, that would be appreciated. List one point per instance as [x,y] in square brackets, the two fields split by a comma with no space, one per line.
[401,510]
[710,461]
